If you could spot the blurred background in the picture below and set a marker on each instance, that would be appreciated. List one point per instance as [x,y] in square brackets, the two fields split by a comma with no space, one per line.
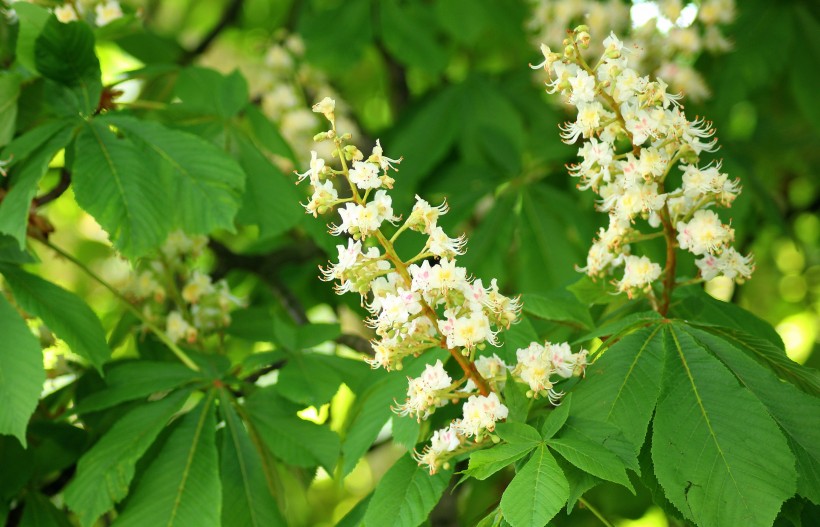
[446,85]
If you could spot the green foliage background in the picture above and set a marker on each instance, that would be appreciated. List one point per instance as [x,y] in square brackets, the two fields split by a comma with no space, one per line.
[444,84]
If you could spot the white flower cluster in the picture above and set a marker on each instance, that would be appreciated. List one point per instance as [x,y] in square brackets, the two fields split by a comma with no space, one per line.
[105,11]
[175,295]
[635,132]
[666,43]
[288,82]
[424,302]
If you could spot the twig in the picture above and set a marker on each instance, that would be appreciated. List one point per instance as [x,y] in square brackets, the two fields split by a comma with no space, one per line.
[58,190]
[594,511]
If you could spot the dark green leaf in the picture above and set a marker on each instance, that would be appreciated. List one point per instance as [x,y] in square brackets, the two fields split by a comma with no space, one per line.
[405,495]
[21,372]
[485,463]
[113,182]
[516,400]
[270,200]
[64,312]
[246,497]
[557,418]
[591,457]
[409,37]
[266,135]
[792,409]
[517,433]
[290,438]
[136,380]
[722,470]
[9,92]
[104,473]
[206,183]
[206,91]
[39,511]
[591,292]
[308,379]
[558,306]
[622,386]
[405,431]
[536,493]
[181,486]
[65,53]
[31,153]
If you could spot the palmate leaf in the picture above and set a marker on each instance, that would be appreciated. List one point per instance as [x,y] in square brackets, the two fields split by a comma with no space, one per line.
[181,487]
[405,495]
[485,463]
[591,457]
[113,182]
[104,473]
[21,372]
[719,456]
[622,386]
[536,493]
[792,409]
[63,311]
[246,497]
[205,184]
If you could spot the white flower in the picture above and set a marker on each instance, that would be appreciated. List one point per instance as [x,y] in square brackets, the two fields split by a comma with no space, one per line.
[317,165]
[65,13]
[107,12]
[178,328]
[384,162]
[704,233]
[326,107]
[425,393]
[480,415]
[442,245]
[639,273]
[424,216]
[198,286]
[365,175]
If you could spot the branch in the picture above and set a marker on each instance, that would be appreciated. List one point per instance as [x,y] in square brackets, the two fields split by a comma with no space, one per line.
[58,190]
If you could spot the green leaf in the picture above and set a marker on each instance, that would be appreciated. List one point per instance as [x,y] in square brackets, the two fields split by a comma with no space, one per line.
[580,482]
[181,486]
[790,408]
[408,35]
[246,497]
[39,511]
[265,135]
[65,53]
[355,517]
[622,386]
[605,434]
[591,457]
[138,379]
[485,463]
[32,20]
[490,241]
[63,312]
[774,357]
[21,372]
[723,470]
[405,431]
[291,439]
[536,493]
[9,92]
[556,418]
[31,155]
[10,251]
[558,306]
[114,184]
[516,400]
[104,473]
[206,184]
[622,325]
[405,495]
[591,292]
[206,91]
[270,199]
[548,253]
[517,433]
[308,379]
